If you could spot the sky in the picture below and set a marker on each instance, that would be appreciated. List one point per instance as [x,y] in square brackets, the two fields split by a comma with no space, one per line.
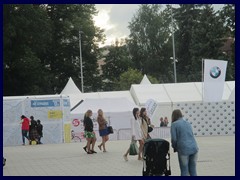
[114,18]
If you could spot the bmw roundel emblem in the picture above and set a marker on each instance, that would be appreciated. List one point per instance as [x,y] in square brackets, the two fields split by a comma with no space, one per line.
[215,72]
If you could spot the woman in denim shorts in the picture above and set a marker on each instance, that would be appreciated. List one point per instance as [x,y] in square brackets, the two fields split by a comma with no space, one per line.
[88,132]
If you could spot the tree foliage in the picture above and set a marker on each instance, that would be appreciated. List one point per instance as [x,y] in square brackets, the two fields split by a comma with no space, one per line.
[149,34]
[41,47]
[132,76]
[27,33]
[117,61]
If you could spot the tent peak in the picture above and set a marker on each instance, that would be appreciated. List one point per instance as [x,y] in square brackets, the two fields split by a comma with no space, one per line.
[70,88]
[145,80]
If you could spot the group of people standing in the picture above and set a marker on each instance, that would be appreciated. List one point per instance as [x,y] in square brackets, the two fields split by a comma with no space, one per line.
[182,139]
[163,122]
[89,134]
[32,130]
[140,130]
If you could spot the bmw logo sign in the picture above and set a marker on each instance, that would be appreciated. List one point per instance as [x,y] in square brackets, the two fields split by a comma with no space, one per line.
[215,72]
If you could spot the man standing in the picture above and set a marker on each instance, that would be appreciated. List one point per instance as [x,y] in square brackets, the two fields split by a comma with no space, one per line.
[25,128]
[39,130]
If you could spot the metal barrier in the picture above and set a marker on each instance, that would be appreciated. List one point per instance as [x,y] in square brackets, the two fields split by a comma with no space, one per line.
[125,134]
[158,132]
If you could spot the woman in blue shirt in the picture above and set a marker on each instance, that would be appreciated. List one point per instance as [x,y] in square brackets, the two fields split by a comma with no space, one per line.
[184,143]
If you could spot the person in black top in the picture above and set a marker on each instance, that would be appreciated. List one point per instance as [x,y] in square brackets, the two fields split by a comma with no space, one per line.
[33,134]
[39,130]
[88,132]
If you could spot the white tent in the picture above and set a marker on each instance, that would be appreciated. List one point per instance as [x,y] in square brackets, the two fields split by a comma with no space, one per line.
[145,80]
[117,111]
[232,95]
[157,92]
[70,88]
[76,98]
[228,88]
[174,92]
[169,95]
[183,92]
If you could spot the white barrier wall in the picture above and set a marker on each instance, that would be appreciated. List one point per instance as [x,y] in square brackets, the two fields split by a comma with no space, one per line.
[208,119]
[52,111]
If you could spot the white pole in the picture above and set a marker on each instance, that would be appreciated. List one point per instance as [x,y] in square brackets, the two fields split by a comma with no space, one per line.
[202,78]
[174,61]
[81,67]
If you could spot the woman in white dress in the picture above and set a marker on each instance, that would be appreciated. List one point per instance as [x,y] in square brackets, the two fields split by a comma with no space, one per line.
[137,133]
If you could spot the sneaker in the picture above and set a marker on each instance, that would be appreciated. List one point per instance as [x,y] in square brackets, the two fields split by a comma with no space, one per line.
[125,158]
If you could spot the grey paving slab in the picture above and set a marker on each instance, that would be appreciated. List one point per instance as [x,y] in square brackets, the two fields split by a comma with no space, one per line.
[216,158]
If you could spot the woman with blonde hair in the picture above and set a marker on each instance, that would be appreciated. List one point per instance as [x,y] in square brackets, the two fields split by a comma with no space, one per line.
[103,131]
[88,132]
[146,123]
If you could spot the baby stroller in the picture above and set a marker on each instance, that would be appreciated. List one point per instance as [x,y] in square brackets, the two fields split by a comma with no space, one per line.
[155,157]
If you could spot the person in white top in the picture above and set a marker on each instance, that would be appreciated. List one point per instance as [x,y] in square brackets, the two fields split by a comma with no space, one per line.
[137,133]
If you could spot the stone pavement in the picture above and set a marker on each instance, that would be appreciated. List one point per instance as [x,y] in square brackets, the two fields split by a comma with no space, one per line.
[216,158]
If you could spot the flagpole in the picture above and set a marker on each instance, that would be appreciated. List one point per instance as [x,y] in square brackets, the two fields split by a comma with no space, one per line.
[202,78]
[173,43]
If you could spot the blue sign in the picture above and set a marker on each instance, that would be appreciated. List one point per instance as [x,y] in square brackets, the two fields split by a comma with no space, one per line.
[66,103]
[45,103]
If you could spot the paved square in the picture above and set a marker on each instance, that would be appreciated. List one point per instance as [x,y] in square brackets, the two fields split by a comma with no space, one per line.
[216,158]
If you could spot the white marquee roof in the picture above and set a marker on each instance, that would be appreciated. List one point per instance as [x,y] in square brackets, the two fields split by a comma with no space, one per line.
[174,92]
[145,80]
[70,88]
[106,104]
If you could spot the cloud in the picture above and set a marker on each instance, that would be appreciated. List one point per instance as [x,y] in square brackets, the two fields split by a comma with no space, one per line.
[114,19]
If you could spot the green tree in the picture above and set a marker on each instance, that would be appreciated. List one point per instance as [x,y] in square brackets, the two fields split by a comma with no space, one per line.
[63,55]
[117,61]
[132,76]
[41,48]
[185,17]
[26,34]
[206,40]
[149,41]
[227,15]
[199,36]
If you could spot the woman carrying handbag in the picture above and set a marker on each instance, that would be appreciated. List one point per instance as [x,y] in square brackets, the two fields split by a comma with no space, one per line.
[147,127]
[137,134]
[103,130]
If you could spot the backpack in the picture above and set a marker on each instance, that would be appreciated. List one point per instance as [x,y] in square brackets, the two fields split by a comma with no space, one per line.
[155,157]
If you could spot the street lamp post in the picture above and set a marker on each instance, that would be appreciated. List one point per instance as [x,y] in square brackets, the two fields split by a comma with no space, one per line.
[81,66]
[174,58]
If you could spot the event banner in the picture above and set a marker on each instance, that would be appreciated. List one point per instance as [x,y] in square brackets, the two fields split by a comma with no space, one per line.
[214,78]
